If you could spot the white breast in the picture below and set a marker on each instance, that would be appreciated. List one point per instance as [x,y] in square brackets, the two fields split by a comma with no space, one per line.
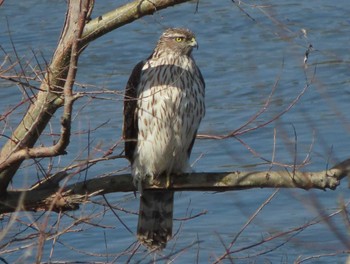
[170,108]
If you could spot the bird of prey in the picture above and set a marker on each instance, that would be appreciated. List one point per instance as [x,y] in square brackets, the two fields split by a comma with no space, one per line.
[163,107]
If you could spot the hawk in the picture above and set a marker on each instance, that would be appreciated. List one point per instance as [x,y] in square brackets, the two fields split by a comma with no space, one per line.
[163,107]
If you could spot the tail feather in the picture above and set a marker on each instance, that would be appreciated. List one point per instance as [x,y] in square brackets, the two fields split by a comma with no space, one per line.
[155,223]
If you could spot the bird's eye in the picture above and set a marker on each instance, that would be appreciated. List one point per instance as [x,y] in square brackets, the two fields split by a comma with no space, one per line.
[179,39]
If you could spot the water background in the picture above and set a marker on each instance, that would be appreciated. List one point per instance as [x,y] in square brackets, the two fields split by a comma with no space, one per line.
[240,59]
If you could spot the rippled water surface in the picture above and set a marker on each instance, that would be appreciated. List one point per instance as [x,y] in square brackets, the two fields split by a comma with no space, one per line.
[242,59]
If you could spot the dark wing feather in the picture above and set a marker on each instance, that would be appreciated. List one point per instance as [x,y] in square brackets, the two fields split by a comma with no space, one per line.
[189,150]
[130,127]
[201,77]
[191,145]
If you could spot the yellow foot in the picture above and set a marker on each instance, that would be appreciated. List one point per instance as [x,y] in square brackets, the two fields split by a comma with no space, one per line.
[168,181]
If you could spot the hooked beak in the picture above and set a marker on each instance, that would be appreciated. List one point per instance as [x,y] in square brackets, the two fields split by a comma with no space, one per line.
[194,43]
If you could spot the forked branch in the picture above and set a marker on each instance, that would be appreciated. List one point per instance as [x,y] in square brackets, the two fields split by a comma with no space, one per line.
[53,93]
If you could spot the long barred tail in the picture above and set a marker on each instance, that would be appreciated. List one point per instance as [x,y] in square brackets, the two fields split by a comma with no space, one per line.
[155,223]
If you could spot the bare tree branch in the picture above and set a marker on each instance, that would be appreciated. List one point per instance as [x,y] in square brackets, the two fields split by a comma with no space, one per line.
[51,196]
[124,15]
[48,100]
[69,98]
[53,92]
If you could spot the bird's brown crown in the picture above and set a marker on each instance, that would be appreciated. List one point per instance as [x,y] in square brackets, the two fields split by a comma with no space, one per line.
[179,41]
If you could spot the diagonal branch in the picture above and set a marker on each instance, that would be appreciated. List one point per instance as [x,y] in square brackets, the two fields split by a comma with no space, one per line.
[124,15]
[48,100]
[69,98]
[52,92]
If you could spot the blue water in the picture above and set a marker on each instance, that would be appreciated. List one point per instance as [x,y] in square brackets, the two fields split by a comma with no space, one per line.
[240,59]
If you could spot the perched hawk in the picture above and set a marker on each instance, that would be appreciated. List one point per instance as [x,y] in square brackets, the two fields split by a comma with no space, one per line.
[163,106]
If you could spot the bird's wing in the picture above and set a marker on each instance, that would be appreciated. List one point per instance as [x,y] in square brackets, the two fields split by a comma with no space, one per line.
[130,127]
[189,150]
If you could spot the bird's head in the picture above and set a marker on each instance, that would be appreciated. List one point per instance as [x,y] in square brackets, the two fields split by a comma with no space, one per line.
[180,41]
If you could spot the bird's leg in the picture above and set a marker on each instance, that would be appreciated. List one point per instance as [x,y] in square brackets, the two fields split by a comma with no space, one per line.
[139,187]
[162,180]
[168,181]
[151,180]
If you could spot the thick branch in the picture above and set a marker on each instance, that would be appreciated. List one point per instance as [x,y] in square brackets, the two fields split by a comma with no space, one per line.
[50,98]
[124,15]
[63,142]
[69,197]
